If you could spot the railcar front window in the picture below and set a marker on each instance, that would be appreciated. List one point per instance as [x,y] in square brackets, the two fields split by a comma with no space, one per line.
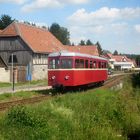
[66,63]
[54,64]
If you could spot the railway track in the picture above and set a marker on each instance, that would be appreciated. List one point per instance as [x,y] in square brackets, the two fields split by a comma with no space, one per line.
[5,105]
[113,81]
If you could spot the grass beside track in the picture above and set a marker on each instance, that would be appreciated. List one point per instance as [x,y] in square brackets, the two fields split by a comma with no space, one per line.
[20,95]
[32,83]
[94,115]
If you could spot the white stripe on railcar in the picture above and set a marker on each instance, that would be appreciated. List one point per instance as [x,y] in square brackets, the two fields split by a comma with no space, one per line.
[74,69]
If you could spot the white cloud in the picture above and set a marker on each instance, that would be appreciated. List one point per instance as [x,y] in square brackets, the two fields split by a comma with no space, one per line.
[41,24]
[74,1]
[38,24]
[39,4]
[109,26]
[137,28]
[119,28]
[13,1]
[104,14]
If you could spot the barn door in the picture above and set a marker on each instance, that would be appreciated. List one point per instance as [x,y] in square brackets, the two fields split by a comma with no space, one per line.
[21,74]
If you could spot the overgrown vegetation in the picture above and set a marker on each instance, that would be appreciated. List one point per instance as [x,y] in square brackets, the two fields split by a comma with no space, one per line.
[15,96]
[94,115]
[22,95]
[29,83]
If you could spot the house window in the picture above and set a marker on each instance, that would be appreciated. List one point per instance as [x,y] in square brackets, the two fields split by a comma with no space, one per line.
[14,59]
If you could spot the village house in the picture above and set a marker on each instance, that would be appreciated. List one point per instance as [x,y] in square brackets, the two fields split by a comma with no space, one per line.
[24,49]
[120,62]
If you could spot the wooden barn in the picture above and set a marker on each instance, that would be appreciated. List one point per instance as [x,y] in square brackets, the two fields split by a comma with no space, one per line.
[24,49]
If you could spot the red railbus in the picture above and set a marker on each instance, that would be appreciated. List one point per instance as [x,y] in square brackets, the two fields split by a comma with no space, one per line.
[71,69]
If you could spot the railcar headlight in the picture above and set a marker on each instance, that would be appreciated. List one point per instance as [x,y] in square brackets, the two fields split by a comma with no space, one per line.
[66,77]
[53,77]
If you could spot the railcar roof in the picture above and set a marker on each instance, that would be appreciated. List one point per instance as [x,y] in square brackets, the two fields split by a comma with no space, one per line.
[66,53]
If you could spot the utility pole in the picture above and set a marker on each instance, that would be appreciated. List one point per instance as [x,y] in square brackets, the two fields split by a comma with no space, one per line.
[13,77]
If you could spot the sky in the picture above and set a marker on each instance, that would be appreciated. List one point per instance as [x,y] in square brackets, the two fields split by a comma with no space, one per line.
[114,23]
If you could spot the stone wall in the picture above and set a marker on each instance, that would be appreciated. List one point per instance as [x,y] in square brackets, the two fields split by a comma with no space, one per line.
[39,72]
[4,75]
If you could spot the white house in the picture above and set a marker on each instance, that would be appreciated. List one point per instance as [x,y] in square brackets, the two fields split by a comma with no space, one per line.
[120,62]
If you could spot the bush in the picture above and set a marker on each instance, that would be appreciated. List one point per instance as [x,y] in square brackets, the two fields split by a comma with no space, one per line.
[22,115]
[136,80]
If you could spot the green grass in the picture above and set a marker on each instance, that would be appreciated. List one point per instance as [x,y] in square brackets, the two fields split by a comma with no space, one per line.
[94,115]
[5,84]
[32,83]
[21,95]
[14,96]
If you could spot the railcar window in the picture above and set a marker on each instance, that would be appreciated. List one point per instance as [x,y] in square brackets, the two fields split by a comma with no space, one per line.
[91,64]
[94,64]
[86,64]
[102,65]
[79,63]
[99,65]
[66,63]
[54,64]
[105,65]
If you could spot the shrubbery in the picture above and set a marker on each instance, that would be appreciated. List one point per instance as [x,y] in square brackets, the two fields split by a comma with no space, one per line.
[23,116]
[94,115]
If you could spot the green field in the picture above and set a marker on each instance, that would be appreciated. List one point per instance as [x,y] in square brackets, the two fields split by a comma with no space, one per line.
[32,83]
[88,115]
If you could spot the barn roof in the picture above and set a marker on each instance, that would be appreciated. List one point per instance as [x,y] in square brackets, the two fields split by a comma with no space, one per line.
[91,50]
[38,39]
[41,40]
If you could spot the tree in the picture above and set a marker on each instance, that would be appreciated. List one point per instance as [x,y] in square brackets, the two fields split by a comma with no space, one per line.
[88,42]
[115,52]
[72,44]
[106,51]
[82,43]
[5,20]
[61,33]
[138,60]
[99,48]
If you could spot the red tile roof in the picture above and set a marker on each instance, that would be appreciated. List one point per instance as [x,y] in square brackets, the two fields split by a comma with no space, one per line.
[41,40]
[108,55]
[38,39]
[92,50]
[118,58]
